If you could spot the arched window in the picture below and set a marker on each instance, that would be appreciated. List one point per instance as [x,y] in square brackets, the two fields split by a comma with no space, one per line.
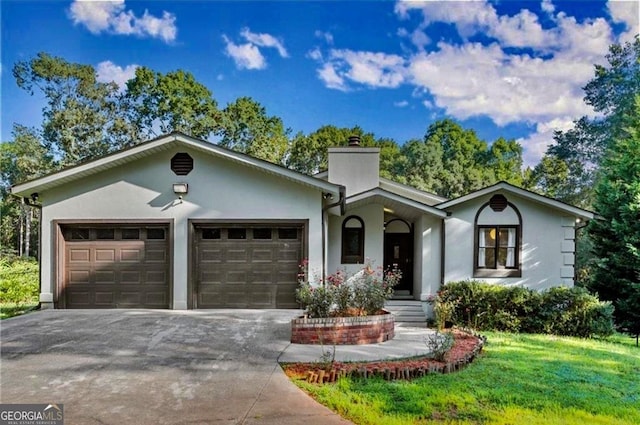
[498,238]
[352,240]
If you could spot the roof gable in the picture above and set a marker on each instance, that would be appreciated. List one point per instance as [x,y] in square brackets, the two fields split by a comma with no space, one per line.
[532,196]
[160,144]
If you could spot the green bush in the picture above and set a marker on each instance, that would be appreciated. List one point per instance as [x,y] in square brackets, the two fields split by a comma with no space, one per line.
[560,310]
[18,281]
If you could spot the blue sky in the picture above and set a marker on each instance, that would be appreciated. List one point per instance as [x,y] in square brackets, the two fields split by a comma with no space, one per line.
[503,68]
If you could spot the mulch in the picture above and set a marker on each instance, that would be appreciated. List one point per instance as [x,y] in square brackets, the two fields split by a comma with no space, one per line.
[465,349]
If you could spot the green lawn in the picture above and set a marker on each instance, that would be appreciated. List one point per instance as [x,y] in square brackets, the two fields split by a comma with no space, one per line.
[9,310]
[520,379]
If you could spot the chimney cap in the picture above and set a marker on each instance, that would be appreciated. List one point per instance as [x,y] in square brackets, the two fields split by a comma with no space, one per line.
[354,140]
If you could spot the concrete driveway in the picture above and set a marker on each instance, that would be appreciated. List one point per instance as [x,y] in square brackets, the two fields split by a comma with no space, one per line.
[155,367]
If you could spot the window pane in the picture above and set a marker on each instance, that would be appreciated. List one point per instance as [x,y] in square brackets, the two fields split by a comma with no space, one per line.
[105,234]
[487,237]
[261,233]
[490,258]
[237,234]
[155,233]
[210,233]
[353,223]
[508,237]
[288,233]
[502,257]
[130,234]
[352,241]
[79,234]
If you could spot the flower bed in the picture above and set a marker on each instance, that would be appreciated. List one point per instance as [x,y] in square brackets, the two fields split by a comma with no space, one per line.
[343,330]
[466,348]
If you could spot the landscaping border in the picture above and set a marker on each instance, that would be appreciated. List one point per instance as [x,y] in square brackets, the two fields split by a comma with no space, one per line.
[467,346]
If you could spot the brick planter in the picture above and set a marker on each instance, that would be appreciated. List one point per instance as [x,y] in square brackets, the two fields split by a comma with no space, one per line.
[343,330]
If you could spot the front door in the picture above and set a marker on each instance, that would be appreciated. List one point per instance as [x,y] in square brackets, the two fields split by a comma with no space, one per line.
[398,249]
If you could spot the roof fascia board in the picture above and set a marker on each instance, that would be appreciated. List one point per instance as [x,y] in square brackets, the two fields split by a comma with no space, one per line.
[151,146]
[535,197]
[397,198]
[412,190]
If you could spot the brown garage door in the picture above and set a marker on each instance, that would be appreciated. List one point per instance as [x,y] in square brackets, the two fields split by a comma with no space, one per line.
[116,267]
[247,267]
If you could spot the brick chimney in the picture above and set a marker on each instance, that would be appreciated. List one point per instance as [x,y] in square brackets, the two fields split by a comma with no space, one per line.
[355,167]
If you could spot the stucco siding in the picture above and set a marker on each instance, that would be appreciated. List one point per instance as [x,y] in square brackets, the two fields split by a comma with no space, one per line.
[427,246]
[547,246]
[373,217]
[218,190]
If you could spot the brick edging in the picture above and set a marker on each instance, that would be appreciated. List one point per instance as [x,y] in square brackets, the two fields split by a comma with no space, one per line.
[322,376]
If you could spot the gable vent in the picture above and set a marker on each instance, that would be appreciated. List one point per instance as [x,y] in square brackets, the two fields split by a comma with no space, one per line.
[498,203]
[181,164]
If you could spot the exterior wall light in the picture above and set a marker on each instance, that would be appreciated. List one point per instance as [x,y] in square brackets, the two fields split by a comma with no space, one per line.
[180,189]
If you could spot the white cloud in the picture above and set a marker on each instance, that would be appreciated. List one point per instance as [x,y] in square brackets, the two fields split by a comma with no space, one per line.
[368,68]
[535,145]
[246,56]
[315,54]
[547,7]
[327,36]
[331,79]
[113,18]
[264,40]
[107,72]
[628,13]
[401,104]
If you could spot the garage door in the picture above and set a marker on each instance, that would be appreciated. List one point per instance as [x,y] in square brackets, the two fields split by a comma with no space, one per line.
[247,266]
[116,267]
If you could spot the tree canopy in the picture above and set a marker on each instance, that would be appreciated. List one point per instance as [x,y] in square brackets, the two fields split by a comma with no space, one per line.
[616,235]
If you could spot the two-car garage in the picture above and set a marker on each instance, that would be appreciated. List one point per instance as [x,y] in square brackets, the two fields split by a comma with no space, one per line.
[239,265]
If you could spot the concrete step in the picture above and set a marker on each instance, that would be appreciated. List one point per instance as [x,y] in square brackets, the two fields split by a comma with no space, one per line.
[408,313]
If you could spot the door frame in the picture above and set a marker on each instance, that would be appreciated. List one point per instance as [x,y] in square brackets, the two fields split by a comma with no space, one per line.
[58,249]
[410,255]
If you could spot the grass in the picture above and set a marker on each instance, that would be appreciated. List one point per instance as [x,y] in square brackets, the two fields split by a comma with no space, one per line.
[10,310]
[520,379]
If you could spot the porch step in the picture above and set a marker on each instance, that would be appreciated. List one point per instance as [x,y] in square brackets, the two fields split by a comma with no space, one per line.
[407,312]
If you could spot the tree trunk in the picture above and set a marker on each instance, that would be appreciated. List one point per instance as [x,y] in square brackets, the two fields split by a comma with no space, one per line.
[27,236]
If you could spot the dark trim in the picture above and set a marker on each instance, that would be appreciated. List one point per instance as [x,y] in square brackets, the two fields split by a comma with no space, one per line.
[352,259]
[409,225]
[195,224]
[503,272]
[58,248]
[443,250]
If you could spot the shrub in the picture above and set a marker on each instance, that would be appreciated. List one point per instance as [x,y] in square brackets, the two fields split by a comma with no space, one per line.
[362,294]
[439,344]
[562,311]
[18,281]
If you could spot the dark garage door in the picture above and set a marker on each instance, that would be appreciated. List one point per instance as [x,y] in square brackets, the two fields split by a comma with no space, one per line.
[247,267]
[116,267]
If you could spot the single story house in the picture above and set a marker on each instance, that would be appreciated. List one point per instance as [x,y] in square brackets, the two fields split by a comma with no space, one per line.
[180,223]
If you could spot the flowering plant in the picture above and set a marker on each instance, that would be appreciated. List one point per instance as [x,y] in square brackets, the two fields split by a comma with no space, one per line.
[341,294]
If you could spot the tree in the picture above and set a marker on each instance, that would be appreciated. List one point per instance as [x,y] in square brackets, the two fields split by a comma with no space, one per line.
[21,159]
[504,158]
[616,235]
[611,93]
[159,103]
[308,154]
[552,177]
[246,127]
[81,116]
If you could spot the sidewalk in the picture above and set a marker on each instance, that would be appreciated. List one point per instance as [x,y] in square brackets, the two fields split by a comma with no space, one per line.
[408,342]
